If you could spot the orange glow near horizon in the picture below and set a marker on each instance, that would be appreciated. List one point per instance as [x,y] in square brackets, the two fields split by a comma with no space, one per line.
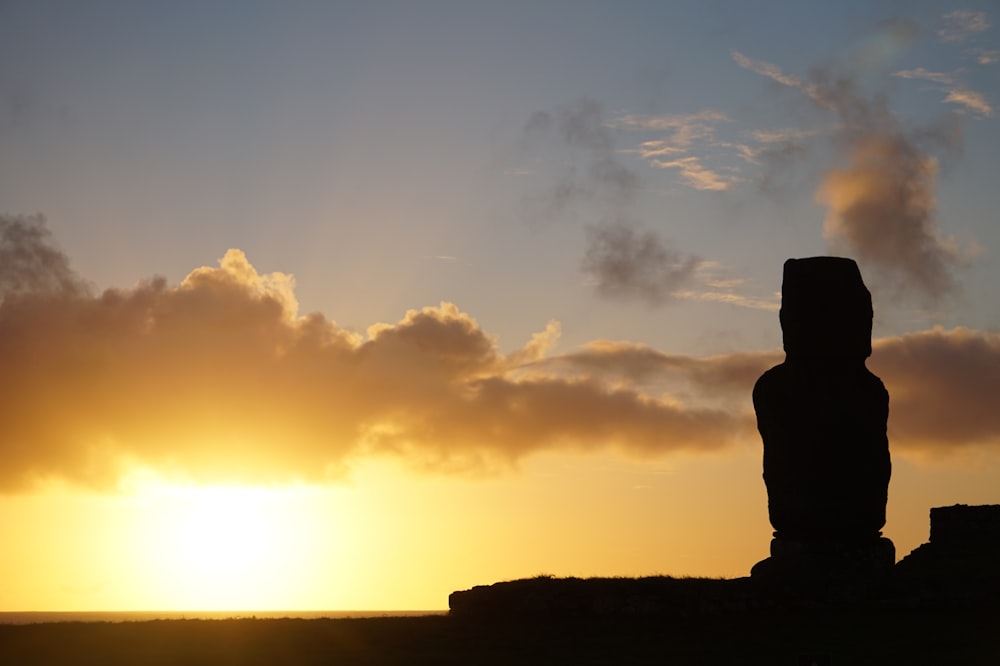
[385,538]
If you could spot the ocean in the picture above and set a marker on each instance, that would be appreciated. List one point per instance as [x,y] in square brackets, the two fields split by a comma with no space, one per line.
[34,617]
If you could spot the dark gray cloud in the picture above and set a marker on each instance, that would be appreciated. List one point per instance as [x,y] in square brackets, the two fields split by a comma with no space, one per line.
[880,197]
[630,263]
[880,191]
[582,125]
[622,260]
[29,262]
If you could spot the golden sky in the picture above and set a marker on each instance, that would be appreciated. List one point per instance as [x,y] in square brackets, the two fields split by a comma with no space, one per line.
[207,433]
[347,306]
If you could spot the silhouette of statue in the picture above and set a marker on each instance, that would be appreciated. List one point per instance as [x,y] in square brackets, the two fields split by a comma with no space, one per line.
[822,417]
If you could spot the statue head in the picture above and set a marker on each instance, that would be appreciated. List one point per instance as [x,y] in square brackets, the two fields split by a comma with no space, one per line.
[826,310]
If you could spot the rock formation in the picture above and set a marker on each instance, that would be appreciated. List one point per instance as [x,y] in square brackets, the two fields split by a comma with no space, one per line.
[822,417]
[959,563]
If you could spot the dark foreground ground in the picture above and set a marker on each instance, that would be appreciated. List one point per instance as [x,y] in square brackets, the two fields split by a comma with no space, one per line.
[817,636]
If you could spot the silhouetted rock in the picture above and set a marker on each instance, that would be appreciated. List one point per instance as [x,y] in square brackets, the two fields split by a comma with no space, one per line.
[822,417]
[966,528]
[959,563]
[548,597]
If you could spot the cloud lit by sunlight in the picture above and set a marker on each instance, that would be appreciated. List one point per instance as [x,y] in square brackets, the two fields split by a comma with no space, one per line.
[219,380]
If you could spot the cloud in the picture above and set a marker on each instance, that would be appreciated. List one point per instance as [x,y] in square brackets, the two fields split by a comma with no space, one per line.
[622,260]
[942,383]
[831,94]
[728,378]
[881,208]
[625,262]
[969,99]
[685,129]
[595,174]
[925,74]
[685,133]
[986,56]
[879,195]
[220,379]
[942,387]
[582,125]
[643,269]
[712,283]
[28,261]
[959,25]
[782,136]
[775,151]
[697,176]
[657,148]
[774,73]
[765,69]
[956,93]
[729,298]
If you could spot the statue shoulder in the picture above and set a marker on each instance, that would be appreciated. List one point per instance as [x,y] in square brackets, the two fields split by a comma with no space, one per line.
[771,380]
[872,379]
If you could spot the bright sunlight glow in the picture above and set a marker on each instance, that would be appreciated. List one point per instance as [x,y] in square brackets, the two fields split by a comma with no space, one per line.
[227,547]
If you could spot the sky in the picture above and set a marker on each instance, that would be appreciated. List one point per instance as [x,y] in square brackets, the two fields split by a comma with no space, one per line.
[348,305]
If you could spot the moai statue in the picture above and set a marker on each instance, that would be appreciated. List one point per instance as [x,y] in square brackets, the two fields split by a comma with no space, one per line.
[822,417]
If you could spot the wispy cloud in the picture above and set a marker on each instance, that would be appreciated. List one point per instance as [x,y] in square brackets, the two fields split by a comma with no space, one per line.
[689,138]
[729,298]
[684,129]
[956,93]
[748,154]
[656,148]
[768,148]
[784,135]
[986,56]
[927,75]
[969,99]
[697,176]
[775,73]
[957,26]
[714,284]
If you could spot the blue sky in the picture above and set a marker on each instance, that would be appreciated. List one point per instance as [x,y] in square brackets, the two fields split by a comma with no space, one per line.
[383,145]
[635,172]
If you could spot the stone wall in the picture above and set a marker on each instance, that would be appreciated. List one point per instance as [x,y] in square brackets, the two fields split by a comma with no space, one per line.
[966,527]
[961,562]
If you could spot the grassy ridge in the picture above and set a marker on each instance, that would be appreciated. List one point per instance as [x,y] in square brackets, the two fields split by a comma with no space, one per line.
[868,636]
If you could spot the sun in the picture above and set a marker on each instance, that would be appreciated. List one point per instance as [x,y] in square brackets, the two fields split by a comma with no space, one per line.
[224,532]
[226,547]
